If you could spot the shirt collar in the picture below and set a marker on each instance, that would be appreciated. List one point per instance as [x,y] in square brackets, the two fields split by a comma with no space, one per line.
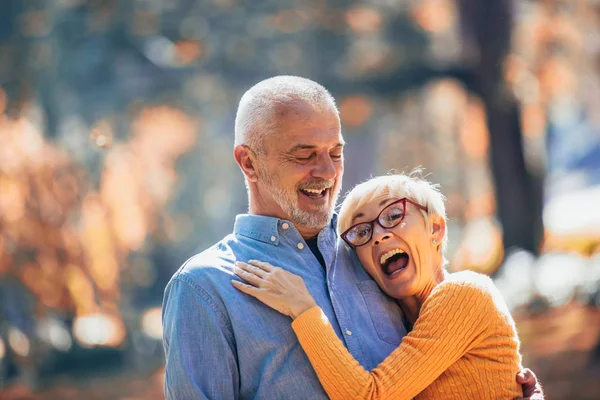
[266,229]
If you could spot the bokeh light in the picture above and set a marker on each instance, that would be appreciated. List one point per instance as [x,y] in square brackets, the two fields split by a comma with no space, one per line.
[116,122]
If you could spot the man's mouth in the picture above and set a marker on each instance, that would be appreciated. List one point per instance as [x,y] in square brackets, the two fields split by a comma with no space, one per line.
[314,193]
[393,262]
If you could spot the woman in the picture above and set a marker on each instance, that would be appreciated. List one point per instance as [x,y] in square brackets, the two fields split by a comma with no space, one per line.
[462,341]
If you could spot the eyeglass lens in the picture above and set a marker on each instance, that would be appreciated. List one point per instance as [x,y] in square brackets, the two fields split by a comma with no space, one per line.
[389,217]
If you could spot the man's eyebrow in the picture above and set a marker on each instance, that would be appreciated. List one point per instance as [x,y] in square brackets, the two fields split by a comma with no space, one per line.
[299,147]
[302,147]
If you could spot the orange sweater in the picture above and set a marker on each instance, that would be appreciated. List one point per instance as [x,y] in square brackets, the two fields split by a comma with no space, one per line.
[464,345]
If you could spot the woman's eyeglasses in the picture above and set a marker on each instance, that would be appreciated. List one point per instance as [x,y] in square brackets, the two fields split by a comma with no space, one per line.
[391,215]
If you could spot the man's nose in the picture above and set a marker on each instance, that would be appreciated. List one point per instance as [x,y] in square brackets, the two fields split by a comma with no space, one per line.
[380,234]
[325,168]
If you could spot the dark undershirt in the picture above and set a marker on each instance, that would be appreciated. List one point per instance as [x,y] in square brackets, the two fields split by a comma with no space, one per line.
[312,245]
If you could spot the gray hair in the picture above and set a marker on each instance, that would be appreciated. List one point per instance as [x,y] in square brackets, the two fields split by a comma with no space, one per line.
[254,119]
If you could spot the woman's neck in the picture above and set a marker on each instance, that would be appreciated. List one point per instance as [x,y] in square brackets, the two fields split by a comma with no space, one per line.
[411,305]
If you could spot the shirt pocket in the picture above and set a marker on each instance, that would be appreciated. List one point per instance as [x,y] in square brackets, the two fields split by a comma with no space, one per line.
[385,314]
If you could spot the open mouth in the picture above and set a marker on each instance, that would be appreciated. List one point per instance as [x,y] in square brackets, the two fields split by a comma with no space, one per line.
[314,193]
[394,261]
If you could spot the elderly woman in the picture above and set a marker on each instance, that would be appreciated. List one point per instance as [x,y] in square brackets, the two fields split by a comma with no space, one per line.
[462,341]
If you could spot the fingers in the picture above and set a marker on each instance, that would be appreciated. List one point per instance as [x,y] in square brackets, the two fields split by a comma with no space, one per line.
[526,376]
[245,288]
[532,390]
[253,269]
[265,266]
[248,274]
[530,374]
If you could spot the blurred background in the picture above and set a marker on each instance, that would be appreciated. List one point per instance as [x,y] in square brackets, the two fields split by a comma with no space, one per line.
[116,133]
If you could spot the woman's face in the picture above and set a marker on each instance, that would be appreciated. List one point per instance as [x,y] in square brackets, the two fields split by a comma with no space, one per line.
[403,260]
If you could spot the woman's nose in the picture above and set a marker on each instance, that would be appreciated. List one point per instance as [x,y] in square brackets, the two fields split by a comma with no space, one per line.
[380,234]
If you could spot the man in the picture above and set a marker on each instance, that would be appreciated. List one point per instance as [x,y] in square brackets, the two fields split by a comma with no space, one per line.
[222,344]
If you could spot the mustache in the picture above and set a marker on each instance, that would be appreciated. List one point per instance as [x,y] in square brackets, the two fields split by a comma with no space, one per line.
[319,184]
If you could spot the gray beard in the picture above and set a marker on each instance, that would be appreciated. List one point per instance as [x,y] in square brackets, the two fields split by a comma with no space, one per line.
[317,219]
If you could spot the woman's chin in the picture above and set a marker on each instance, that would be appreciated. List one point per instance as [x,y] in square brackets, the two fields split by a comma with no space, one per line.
[398,285]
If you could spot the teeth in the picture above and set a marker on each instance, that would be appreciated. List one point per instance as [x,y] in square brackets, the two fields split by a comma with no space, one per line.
[386,256]
[315,191]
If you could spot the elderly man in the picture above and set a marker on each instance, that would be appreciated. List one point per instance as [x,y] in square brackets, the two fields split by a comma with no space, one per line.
[222,344]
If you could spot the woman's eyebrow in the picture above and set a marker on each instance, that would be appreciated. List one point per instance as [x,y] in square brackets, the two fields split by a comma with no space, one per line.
[357,216]
[383,202]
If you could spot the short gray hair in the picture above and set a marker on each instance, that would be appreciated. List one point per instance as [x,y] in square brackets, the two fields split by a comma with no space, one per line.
[254,119]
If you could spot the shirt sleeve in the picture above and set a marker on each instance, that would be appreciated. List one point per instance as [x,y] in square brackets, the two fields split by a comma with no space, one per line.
[199,348]
[451,321]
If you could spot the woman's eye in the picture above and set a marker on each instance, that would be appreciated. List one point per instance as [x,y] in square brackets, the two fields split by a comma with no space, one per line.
[394,215]
[363,232]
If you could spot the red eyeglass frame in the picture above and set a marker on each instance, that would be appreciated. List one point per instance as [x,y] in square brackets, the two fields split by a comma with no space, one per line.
[403,200]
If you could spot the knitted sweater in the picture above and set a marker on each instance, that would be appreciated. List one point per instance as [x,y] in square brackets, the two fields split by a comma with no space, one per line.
[464,345]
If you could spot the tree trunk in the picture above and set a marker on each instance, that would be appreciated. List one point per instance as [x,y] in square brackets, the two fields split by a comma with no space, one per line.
[487,26]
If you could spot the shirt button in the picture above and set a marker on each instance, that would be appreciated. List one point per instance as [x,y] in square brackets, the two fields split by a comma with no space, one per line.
[285,225]
[300,246]
[273,238]
[348,332]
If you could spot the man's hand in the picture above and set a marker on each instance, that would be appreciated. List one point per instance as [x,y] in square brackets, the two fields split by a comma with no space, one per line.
[532,390]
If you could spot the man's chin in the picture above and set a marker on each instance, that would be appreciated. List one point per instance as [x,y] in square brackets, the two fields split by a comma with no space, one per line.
[313,219]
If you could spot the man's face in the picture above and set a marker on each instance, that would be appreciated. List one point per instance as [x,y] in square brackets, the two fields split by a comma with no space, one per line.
[301,174]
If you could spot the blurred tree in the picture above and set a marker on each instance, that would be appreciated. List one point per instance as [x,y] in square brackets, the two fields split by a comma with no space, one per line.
[486,31]
[487,26]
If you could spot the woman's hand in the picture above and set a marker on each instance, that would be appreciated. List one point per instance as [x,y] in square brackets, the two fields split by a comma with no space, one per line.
[277,288]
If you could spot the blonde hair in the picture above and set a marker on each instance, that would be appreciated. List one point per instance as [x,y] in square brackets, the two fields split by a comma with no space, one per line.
[411,186]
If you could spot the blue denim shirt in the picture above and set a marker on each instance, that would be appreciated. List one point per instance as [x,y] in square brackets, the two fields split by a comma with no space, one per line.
[223,344]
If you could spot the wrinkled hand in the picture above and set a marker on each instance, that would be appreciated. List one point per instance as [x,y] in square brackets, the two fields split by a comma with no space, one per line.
[532,390]
[277,288]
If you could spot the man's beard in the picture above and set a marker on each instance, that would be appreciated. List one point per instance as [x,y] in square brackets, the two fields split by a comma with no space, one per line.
[288,200]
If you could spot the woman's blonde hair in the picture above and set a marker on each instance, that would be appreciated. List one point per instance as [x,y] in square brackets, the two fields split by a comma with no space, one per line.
[410,185]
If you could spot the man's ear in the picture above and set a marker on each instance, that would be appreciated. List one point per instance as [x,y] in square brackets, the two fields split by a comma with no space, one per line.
[438,228]
[245,159]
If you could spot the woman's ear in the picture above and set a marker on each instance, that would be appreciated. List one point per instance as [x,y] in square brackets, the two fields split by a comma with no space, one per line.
[438,228]
[244,157]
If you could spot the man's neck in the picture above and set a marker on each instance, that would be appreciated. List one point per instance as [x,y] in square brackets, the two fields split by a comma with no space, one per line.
[305,232]
[308,233]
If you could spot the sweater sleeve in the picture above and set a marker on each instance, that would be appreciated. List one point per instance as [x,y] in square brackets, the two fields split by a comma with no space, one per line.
[451,322]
